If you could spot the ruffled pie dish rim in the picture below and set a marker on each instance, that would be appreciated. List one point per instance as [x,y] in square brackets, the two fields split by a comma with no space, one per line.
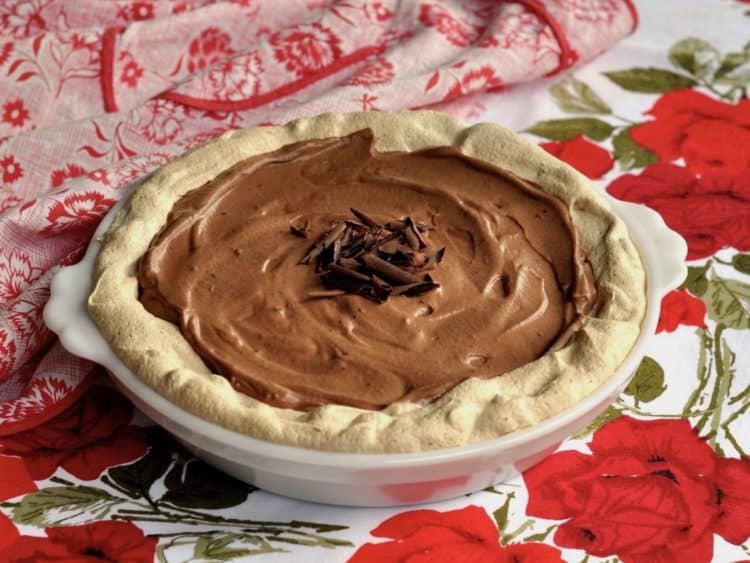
[367,479]
[471,412]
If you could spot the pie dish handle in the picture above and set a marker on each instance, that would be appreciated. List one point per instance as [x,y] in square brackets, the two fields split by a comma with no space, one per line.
[663,251]
[65,313]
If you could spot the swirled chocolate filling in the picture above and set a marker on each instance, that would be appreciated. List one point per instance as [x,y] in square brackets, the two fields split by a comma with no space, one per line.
[514,282]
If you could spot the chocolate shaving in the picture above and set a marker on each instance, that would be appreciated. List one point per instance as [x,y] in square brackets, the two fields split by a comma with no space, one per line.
[388,270]
[348,272]
[300,227]
[336,250]
[363,257]
[369,221]
[412,227]
[322,293]
[413,289]
[312,254]
[411,238]
[334,233]
[401,224]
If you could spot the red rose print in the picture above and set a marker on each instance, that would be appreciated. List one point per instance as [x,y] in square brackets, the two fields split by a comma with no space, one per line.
[583,155]
[305,48]
[711,212]
[119,542]
[131,70]
[454,30]
[91,436]
[649,491]
[12,170]
[681,308]
[14,478]
[211,46]
[14,481]
[475,80]
[467,534]
[15,113]
[732,478]
[61,174]
[711,135]
[8,532]
[77,212]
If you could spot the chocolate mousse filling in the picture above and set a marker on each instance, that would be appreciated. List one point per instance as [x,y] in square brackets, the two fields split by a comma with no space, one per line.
[512,282]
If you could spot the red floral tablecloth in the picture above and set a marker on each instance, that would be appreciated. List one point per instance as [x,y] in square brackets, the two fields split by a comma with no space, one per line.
[96,94]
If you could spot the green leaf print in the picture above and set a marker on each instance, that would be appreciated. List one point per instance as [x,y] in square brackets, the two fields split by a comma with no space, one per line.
[540,536]
[648,382]
[56,505]
[741,263]
[575,96]
[650,80]
[696,281]
[696,56]
[137,478]
[734,69]
[220,548]
[196,484]
[501,514]
[629,154]
[565,129]
[728,302]
[611,413]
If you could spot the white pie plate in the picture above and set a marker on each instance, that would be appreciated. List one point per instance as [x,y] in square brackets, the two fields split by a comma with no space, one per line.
[368,479]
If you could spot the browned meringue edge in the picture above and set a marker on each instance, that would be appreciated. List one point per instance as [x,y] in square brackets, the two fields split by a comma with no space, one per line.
[474,410]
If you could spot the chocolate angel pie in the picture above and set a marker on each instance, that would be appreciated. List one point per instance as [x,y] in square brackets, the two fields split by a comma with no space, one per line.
[376,282]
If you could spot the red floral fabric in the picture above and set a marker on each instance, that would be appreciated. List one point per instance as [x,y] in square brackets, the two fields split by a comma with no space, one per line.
[679,308]
[14,481]
[710,135]
[84,440]
[119,542]
[94,95]
[583,155]
[711,211]
[467,534]
[648,491]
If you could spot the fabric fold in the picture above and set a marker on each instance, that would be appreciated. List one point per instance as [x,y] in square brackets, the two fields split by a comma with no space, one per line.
[95,95]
